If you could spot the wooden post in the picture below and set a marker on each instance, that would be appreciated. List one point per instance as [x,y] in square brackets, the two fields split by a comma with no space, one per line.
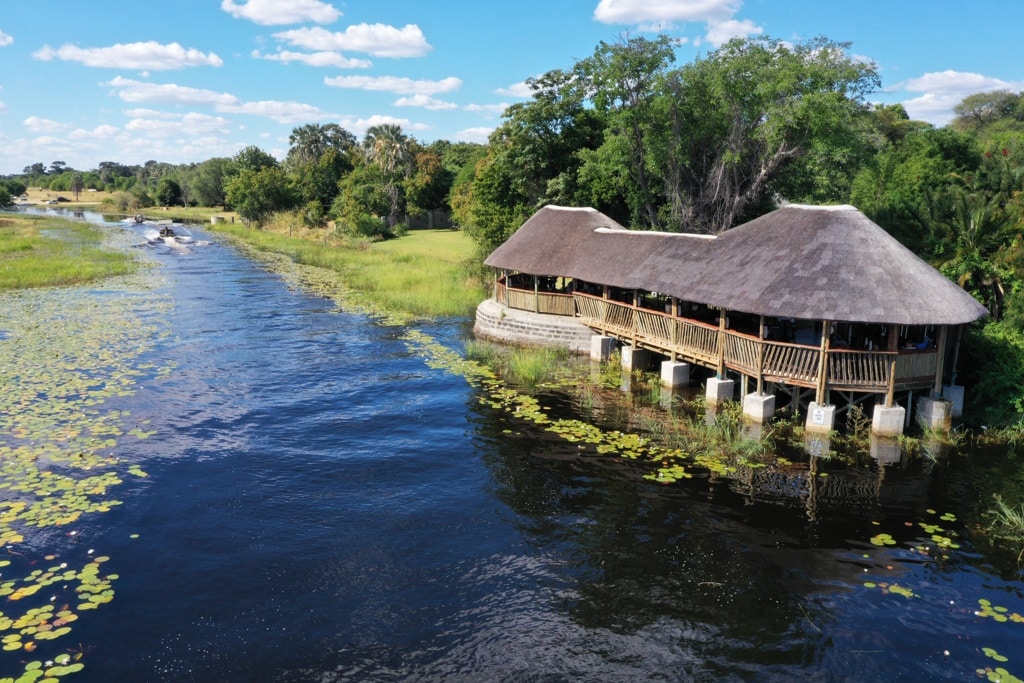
[894,347]
[760,358]
[506,289]
[819,396]
[674,321]
[536,294]
[720,370]
[940,349]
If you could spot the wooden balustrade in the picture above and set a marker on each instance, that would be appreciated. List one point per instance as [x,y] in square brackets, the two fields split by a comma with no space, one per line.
[551,303]
[796,364]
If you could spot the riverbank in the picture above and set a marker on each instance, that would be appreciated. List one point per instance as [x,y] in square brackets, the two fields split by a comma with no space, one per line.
[425,274]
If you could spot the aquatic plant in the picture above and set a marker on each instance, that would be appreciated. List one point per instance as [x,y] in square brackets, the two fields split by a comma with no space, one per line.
[65,356]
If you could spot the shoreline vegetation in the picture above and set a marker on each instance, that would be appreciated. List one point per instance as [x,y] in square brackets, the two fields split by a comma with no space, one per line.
[40,251]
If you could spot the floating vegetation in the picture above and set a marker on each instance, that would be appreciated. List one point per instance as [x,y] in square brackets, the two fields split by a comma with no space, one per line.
[64,356]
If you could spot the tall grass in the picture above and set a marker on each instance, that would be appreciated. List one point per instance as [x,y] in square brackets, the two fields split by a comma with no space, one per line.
[37,251]
[523,366]
[421,274]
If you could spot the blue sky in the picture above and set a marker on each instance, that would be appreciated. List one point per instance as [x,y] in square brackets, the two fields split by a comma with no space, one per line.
[187,80]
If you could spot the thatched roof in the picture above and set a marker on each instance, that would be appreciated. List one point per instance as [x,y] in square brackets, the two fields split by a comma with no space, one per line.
[810,262]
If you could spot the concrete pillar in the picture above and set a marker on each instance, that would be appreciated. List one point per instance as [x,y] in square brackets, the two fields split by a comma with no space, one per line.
[934,414]
[820,418]
[720,390]
[817,444]
[954,393]
[675,374]
[635,359]
[888,421]
[601,347]
[759,407]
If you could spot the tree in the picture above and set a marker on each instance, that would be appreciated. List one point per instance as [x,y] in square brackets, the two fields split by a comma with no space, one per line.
[310,142]
[168,192]
[979,110]
[208,181]
[252,158]
[621,80]
[257,194]
[57,167]
[736,120]
[77,184]
[363,202]
[387,147]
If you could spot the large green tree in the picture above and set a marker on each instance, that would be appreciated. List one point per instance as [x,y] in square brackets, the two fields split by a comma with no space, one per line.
[257,194]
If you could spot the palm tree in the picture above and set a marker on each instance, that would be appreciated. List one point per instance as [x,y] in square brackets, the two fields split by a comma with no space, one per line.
[390,149]
[310,142]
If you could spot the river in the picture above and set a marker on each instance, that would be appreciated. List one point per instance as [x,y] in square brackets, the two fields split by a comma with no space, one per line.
[320,504]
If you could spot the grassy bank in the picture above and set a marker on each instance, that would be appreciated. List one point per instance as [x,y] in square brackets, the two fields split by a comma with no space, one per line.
[39,251]
[423,274]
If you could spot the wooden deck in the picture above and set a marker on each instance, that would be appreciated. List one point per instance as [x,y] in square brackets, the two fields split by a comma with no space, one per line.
[760,359]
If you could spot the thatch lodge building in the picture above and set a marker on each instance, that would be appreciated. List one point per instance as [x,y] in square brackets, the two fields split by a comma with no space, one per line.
[814,303]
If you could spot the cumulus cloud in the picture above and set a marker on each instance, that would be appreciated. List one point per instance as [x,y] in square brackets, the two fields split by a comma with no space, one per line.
[101,132]
[379,40]
[281,112]
[36,124]
[360,125]
[395,84]
[135,56]
[940,91]
[722,32]
[478,135]
[425,101]
[141,91]
[5,39]
[718,15]
[648,11]
[520,89]
[277,13]
[191,124]
[489,109]
[324,58]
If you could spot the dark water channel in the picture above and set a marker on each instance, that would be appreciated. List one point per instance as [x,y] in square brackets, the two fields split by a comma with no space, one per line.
[323,506]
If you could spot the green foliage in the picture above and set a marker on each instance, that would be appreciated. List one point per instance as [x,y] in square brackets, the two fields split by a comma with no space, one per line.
[168,192]
[992,370]
[255,195]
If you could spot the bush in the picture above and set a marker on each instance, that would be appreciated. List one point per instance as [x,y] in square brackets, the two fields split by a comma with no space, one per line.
[992,358]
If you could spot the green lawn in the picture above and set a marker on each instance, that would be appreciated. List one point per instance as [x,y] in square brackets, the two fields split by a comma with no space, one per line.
[423,274]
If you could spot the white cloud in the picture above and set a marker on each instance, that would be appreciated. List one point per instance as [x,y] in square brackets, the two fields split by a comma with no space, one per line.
[101,132]
[379,40]
[489,109]
[360,125]
[140,91]
[5,39]
[281,112]
[478,135]
[190,124]
[135,56]
[3,107]
[323,58]
[425,101]
[276,13]
[520,89]
[36,124]
[943,90]
[645,11]
[395,84]
[721,32]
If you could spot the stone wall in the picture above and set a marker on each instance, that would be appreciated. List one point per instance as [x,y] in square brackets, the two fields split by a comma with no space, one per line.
[523,328]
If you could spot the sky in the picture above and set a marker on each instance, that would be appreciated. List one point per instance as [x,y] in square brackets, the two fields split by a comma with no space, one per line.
[183,81]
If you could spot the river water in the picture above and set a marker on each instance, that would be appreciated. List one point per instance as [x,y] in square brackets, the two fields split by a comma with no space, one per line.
[322,505]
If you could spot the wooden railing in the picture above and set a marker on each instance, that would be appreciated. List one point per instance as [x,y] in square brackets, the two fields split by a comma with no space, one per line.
[773,361]
[552,303]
